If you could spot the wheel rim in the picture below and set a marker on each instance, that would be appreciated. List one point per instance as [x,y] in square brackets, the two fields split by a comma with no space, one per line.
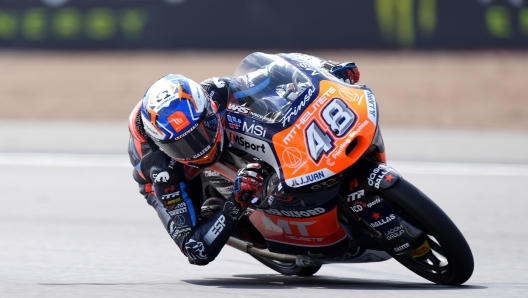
[450,261]
[435,263]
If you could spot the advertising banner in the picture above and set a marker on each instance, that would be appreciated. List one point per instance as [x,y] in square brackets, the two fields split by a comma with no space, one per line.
[263,24]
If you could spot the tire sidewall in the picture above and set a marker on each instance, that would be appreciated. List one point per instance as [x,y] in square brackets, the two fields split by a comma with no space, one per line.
[429,214]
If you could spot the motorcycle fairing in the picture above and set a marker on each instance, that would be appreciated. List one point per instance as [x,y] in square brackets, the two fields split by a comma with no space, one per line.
[318,234]
[325,140]
[297,221]
[355,254]
[254,146]
[320,132]
[370,176]
[315,231]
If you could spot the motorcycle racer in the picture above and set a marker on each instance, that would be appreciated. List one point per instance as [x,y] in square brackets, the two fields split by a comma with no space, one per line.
[176,131]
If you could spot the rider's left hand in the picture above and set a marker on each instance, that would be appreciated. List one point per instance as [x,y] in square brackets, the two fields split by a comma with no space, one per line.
[346,71]
[248,183]
[247,187]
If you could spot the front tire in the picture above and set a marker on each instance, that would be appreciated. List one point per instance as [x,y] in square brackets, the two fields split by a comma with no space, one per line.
[451,262]
[287,268]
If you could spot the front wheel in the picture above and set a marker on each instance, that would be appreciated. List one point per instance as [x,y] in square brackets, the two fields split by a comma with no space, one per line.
[286,268]
[450,261]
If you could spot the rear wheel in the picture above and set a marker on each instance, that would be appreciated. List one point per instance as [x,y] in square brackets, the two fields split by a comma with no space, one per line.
[286,268]
[450,261]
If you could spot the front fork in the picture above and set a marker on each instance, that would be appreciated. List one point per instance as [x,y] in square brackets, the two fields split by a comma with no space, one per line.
[365,211]
[363,181]
[368,176]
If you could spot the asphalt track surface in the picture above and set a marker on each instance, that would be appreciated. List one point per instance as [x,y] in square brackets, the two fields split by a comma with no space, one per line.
[72,223]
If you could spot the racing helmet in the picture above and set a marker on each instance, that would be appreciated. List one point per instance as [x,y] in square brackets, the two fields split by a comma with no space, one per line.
[183,121]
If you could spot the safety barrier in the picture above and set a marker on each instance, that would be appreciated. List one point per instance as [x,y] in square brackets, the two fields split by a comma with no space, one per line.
[264,24]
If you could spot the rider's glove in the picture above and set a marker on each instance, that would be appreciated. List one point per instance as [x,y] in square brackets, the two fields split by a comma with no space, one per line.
[346,71]
[248,183]
[248,186]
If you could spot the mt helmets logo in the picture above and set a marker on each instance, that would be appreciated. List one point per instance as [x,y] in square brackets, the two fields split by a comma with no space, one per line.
[179,220]
[351,95]
[292,157]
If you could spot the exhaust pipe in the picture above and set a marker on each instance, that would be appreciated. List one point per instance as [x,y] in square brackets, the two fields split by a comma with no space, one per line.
[243,246]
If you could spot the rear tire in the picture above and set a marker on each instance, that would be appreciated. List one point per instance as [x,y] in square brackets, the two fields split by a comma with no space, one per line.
[452,260]
[287,268]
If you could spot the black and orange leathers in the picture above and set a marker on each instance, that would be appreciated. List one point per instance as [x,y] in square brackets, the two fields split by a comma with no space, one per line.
[174,190]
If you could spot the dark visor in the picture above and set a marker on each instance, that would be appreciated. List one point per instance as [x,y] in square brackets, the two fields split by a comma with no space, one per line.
[196,143]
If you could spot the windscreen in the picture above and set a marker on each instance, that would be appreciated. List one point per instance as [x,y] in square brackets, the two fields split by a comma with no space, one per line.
[268,85]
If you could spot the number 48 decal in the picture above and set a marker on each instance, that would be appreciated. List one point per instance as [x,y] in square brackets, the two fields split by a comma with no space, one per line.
[339,118]
[318,141]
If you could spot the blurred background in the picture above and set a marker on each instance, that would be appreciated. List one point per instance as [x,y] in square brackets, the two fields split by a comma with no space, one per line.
[450,64]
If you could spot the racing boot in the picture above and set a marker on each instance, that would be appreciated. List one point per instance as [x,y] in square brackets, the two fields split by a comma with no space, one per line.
[244,229]
[211,206]
[395,234]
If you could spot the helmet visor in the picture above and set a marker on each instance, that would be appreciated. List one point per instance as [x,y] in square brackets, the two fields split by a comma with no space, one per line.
[197,141]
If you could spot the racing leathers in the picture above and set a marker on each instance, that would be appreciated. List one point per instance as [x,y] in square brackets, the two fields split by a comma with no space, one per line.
[174,190]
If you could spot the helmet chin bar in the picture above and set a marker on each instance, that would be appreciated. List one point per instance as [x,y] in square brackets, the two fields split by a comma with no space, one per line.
[206,161]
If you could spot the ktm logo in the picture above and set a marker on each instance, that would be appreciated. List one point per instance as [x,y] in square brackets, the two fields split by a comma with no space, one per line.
[239,109]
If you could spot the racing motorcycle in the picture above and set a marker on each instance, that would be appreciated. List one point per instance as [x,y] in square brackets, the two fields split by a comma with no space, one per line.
[326,172]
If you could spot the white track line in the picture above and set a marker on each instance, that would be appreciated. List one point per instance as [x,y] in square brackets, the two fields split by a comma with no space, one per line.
[451,168]
[65,160]
[122,161]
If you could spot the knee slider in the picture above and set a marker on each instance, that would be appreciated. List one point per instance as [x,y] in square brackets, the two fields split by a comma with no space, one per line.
[198,262]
